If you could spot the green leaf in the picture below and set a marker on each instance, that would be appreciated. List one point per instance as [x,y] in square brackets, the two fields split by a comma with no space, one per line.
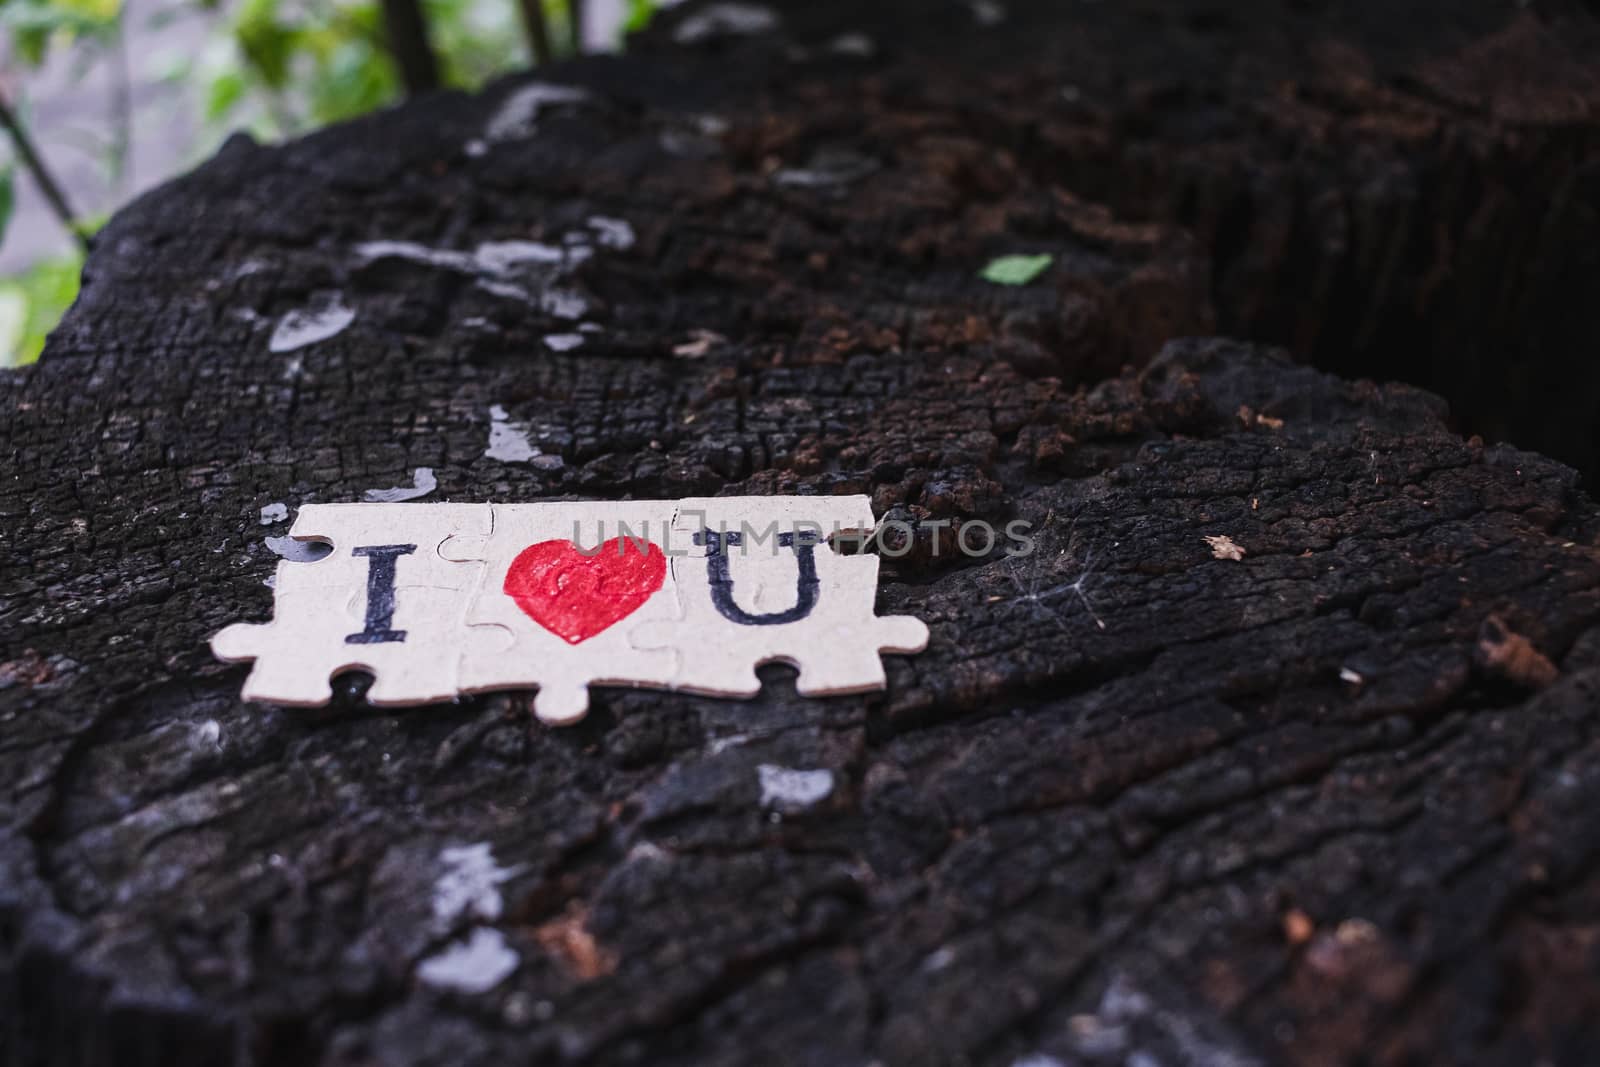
[350,79]
[1016,270]
[266,43]
[639,14]
[475,42]
[32,303]
[89,225]
[31,42]
[226,90]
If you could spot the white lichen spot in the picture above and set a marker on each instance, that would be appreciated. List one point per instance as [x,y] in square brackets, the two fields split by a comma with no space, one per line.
[612,233]
[987,12]
[725,20]
[827,168]
[308,326]
[646,852]
[208,735]
[563,342]
[491,258]
[422,483]
[1350,676]
[476,966]
[563,304]
[1222,547]
[699,343]
[788,789]
[417,253]
[499,257]
[722,744]
[1105,1035]
[508,442]
[858,45]
[519,113]
[275,512]
[505,289]
[711,125]
[470,884]
[297,551]
[525,271]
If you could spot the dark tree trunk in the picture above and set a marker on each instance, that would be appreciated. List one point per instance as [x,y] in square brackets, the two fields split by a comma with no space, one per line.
[536,30]
[575,17]
[1332,802]
[407,29]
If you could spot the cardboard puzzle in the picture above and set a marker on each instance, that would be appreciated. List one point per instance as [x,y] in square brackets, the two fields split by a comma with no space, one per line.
[436,600]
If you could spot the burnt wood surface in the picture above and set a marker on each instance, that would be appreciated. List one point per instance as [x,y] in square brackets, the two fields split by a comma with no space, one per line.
[1139,803]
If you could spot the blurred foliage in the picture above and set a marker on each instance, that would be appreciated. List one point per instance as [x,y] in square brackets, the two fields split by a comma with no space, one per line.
[638,15]
[279,68]
[276,68]
[31,303]
[33,26]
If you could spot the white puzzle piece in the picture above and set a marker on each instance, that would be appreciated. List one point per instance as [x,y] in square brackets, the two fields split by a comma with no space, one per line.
[382,601]
[557,582]
[763,585]
[440,599]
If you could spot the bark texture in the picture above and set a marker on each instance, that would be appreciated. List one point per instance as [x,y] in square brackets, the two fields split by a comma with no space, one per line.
[1139,803]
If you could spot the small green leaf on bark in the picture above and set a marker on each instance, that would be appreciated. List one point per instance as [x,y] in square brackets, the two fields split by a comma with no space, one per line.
[1016,270]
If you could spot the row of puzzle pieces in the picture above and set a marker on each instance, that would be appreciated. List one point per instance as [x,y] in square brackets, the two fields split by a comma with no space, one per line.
[436,600]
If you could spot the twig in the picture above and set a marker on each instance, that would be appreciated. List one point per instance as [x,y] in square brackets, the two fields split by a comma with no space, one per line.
[538,33]
[407,29]
[122,108]
[41,172]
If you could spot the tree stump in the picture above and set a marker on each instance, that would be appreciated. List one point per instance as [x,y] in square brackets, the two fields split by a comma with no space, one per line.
[1282,747]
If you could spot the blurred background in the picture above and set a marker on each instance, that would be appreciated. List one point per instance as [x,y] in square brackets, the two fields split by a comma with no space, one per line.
[103,99]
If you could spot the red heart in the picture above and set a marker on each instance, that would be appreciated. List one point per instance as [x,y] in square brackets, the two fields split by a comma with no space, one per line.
[574,595]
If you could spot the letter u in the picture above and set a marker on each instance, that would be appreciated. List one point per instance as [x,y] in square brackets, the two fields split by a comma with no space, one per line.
[807,587]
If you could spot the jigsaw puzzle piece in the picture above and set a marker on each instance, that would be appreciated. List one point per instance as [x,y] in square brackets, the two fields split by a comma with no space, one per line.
[384,601]
[562,585]
[763,585]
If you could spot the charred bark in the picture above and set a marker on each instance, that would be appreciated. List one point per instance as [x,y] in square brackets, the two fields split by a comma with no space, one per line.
[1330,802]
